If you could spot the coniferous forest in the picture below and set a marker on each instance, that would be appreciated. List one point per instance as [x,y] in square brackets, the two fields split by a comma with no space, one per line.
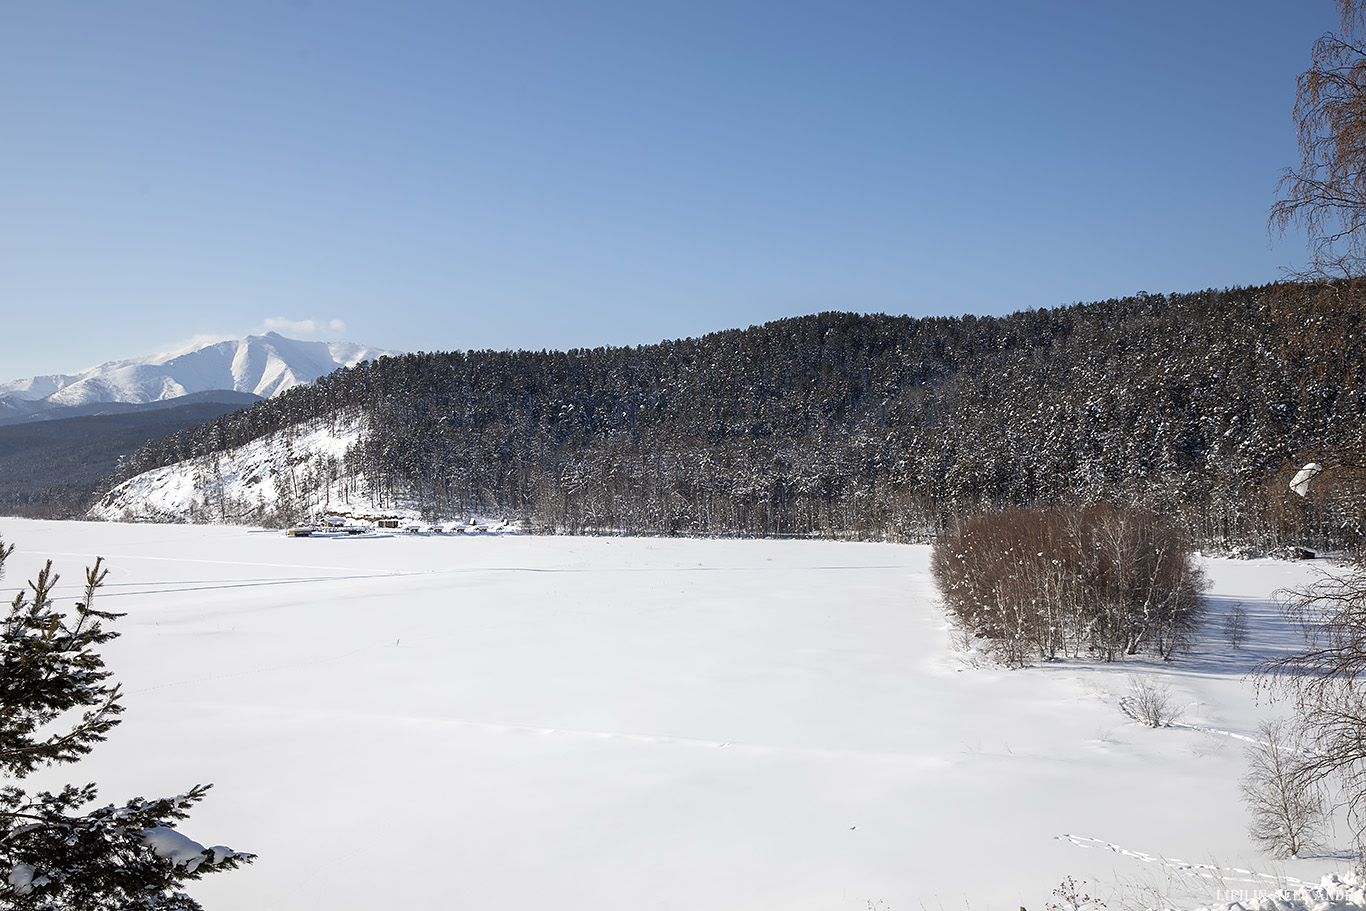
[1196,406]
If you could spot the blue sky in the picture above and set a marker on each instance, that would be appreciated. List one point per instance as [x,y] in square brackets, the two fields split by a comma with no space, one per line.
[526,174]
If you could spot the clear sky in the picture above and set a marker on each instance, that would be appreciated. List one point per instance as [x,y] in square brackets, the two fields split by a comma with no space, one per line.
[533,174]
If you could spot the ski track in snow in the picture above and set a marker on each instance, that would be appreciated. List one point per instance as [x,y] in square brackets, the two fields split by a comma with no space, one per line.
[171,588]
[341,572]
[358,573]
[1126,706]
[1183,868]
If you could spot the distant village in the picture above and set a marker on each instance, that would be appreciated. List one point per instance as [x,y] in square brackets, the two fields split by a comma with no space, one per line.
[345,523]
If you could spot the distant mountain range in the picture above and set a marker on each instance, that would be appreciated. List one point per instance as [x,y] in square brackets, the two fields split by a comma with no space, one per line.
[237,372]
[62,435]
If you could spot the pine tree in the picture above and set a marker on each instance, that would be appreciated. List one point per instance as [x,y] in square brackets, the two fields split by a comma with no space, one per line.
[56,853]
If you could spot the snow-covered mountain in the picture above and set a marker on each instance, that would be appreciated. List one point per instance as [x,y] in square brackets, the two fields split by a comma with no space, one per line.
[260,365]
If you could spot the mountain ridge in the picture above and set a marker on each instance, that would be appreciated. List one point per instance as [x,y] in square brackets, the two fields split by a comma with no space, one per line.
[259,365]
[63,435]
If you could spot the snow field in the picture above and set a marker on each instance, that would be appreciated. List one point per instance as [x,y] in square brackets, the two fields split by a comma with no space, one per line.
[609,723]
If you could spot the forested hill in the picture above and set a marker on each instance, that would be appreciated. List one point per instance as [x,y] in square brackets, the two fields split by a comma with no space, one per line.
[844,424]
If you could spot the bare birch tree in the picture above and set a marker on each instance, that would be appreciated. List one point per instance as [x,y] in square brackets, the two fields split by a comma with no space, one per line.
[1325,682]
[1284,800]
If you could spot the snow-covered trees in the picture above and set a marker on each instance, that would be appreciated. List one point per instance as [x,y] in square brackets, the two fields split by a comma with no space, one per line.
[845,425]
[1048,582]
[56,853]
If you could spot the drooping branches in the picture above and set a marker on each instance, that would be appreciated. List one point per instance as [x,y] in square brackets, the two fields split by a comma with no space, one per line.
[1326,193]
[1325,681]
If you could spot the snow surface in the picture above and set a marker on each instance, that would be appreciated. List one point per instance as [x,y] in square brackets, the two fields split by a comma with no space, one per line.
[610,723]
[264,365]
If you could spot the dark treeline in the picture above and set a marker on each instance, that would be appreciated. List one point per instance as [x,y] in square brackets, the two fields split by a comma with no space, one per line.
[1192,405]
[53,468]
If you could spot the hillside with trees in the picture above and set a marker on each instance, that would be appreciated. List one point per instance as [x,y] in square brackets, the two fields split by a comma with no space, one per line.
[1197,406]
[52,468]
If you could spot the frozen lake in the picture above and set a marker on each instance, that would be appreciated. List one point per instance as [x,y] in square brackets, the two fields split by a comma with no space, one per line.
[614,723]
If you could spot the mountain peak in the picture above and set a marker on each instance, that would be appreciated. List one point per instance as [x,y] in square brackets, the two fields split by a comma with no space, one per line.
[263,365]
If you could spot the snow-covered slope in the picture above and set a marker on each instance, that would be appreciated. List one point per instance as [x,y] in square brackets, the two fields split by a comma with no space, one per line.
[263,365]
[285,476]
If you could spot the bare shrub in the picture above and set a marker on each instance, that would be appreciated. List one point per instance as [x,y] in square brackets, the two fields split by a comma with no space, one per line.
[1235,625]
[1283,798]
[1071,895]
[1151,702]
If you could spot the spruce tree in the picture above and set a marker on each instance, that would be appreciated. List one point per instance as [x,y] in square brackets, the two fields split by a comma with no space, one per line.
[56,852]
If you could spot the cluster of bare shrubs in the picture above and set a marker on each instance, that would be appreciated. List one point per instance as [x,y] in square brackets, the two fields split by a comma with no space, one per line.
[1062,582]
